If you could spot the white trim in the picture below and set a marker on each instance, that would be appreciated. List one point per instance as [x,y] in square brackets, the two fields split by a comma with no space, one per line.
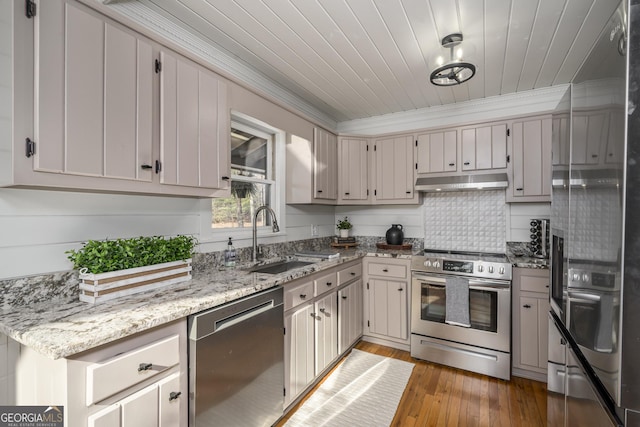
[275,173]
[486,109]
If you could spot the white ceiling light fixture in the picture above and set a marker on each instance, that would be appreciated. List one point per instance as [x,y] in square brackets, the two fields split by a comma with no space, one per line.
[456,71]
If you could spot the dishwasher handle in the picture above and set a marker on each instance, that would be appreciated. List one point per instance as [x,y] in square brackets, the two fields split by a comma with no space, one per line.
[203,324]
[243,315]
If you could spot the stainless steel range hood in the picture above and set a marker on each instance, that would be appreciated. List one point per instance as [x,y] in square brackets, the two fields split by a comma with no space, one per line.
[462,182]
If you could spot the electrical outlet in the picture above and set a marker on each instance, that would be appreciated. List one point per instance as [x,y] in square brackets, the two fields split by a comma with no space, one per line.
[314,230]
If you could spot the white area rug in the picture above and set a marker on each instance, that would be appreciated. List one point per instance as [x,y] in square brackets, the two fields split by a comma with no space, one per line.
[363,391]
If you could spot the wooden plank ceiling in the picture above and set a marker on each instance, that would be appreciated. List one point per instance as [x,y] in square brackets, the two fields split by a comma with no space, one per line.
[361,58]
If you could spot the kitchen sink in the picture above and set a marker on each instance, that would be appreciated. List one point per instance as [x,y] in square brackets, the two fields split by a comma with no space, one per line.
[280,267]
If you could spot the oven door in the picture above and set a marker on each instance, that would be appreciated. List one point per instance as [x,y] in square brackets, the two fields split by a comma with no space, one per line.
[489,312]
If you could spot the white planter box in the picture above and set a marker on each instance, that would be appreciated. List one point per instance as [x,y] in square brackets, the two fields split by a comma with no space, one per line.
[106,286]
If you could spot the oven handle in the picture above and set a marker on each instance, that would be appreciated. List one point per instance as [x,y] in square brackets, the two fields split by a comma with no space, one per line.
[473,284]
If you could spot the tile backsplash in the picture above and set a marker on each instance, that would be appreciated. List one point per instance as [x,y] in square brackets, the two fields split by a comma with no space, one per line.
[466,221]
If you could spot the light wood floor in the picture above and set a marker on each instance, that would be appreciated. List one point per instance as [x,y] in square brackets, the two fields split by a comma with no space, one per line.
[437,395]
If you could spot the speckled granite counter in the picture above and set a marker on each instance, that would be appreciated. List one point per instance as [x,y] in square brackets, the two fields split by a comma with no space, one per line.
[63,327]
[520,256]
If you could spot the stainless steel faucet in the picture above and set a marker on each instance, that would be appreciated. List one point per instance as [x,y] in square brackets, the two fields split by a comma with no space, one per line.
[275,228]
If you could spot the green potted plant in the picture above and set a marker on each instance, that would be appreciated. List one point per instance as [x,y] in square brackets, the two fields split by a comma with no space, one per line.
[344,226]
[113,268]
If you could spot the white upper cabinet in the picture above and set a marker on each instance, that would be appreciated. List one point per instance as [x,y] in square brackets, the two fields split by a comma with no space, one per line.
[484,147]
[194,125]
[590,133]
[437,151]
[530,166]
[91,112]
[395,170]
[353,177]
[325,148]
[94,83]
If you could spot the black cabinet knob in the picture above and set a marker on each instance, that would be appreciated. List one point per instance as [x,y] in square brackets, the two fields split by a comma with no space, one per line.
[146,167]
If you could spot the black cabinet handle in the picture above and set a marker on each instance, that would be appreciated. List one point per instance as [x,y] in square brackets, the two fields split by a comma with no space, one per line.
[466,163]
[594,156]
[353,273]
[400,289]
[346,194]
[319,191]
[158,166]
[385,270]
[144,366]
[408,192]
[344,297]
[146,167]
[303,296]
[225,178]
[526,306]
[174,395]
[328,283]
[322,310]
[519,189]
[452,164]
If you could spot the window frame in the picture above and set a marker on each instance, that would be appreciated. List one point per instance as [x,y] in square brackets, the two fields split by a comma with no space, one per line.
[275,177]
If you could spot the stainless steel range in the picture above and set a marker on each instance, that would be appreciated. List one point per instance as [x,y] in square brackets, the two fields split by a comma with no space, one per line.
[472,330]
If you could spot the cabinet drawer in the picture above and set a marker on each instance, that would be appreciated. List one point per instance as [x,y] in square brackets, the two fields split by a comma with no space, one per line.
[387,270]
[349,273]
[297,294]
[534,284]
[325,283]
[121,372]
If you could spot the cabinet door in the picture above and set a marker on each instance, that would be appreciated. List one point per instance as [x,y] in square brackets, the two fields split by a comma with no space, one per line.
[395,176]
[349,315]
[170,398]
[534,331]
[560,140]
[94,81]
[590,131]
[529,332]
[141,408]
[531,169]
[484,147]
[195,127]
[325,148]
[353,179]
[299,350]
[388,308]
[109,417]
[437,152]
[326,315]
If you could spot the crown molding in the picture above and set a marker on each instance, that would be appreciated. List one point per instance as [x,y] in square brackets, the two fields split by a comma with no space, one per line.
[534,101]
[219,60]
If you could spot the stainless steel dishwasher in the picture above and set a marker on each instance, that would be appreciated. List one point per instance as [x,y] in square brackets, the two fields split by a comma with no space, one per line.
[236,362]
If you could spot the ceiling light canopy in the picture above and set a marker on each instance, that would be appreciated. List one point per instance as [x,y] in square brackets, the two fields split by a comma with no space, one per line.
[456,71]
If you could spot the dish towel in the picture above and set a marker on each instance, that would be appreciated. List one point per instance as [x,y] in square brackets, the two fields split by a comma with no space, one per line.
[457,301]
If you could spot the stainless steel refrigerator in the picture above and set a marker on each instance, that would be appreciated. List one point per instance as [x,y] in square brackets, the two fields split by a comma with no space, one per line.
[594,360]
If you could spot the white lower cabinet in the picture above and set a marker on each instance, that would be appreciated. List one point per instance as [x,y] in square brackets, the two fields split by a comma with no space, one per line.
[530,323]
[326,330]
[299,347]
[137,381]
[386,301]
[349,315]
[323,319]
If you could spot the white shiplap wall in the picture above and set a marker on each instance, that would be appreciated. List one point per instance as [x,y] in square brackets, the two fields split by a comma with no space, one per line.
[376,220]
[37,226]
[518,218]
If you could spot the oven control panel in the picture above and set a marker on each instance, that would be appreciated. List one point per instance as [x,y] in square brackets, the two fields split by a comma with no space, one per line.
[480,269]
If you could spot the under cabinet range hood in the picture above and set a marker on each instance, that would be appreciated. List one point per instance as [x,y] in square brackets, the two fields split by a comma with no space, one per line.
[462,182]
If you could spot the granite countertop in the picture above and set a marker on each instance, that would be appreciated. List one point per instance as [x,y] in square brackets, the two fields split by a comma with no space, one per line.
[520,256]
[64,327]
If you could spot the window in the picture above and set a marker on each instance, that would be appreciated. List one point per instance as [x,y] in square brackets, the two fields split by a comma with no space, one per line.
[252,180]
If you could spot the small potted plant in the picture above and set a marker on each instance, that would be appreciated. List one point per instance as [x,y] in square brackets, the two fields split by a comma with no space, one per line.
[344,226]
[113,268]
